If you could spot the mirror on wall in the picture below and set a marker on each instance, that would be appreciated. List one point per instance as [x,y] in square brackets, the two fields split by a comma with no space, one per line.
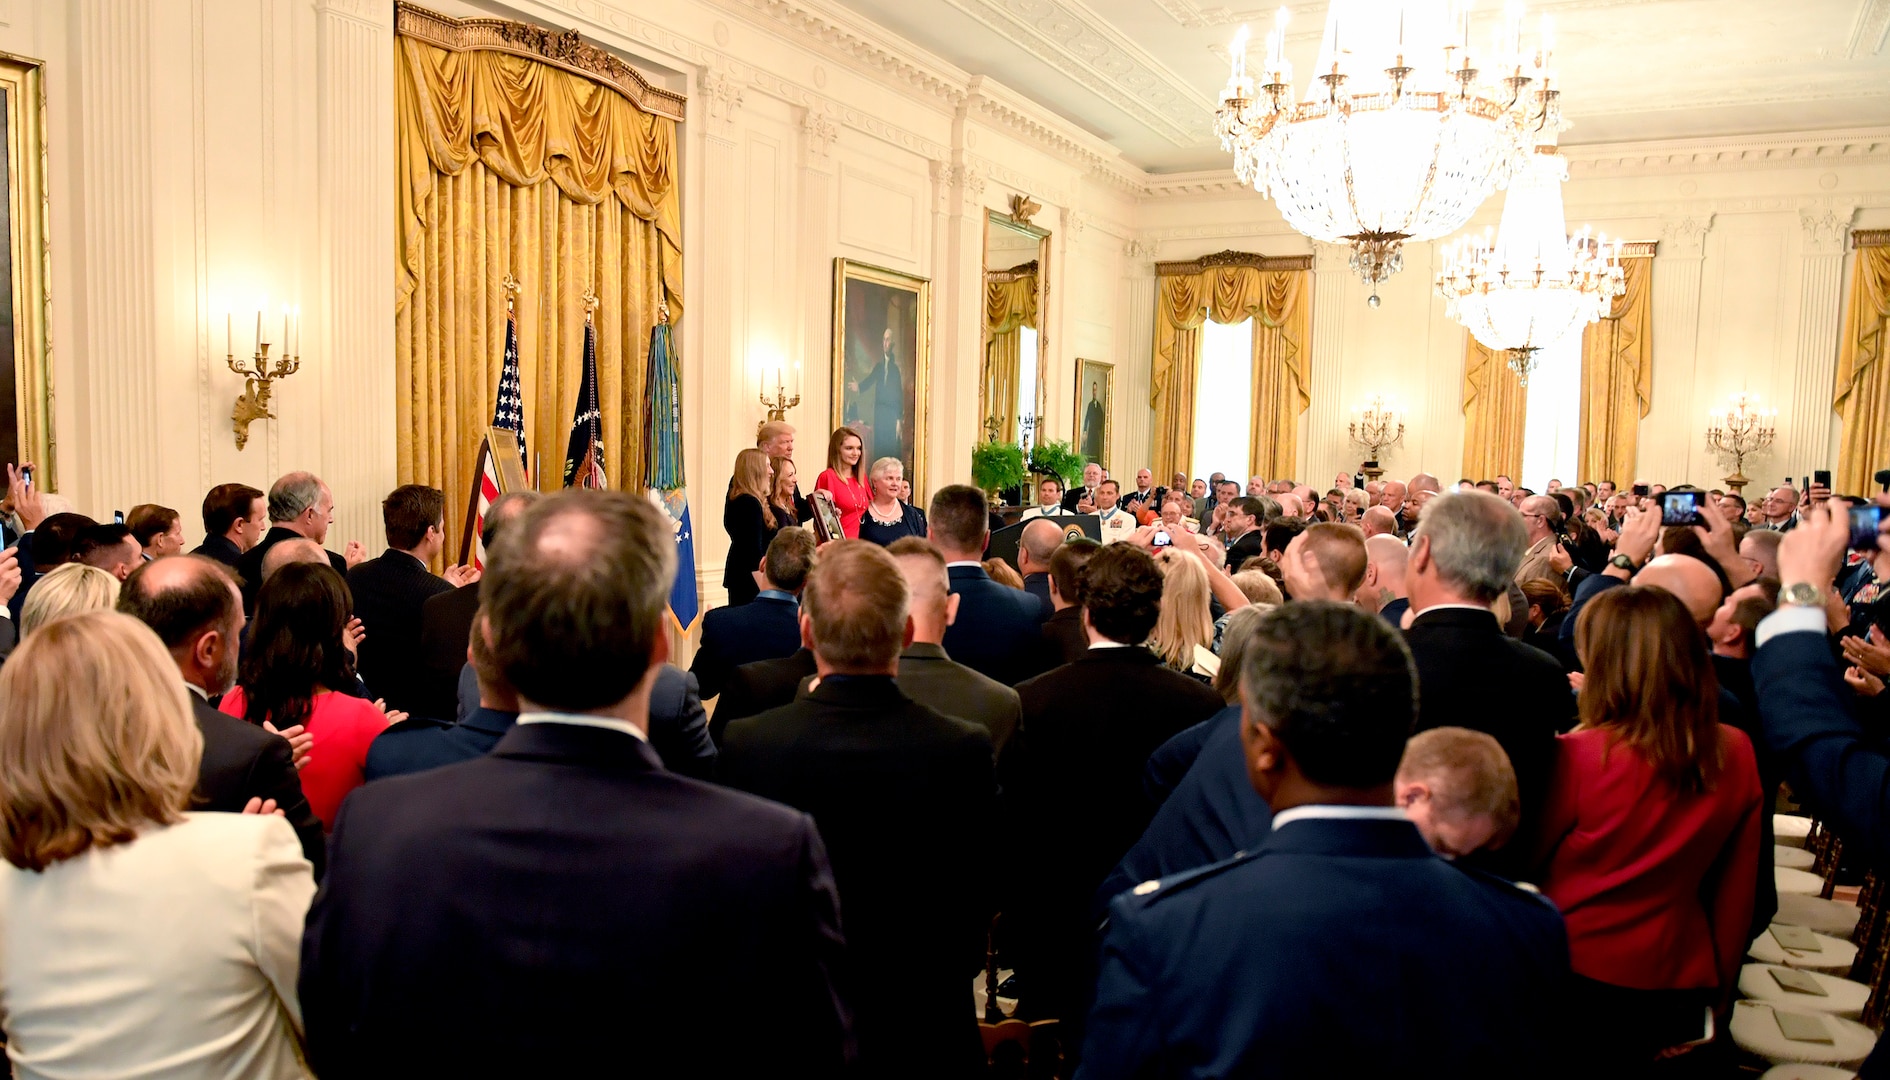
[1011,391]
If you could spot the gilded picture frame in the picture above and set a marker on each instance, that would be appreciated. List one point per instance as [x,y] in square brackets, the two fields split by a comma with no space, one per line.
[1095,408]
[26,390]
[882,363]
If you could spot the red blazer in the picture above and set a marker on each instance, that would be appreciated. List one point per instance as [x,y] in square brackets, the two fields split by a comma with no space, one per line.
[342,727]
[1656,887]
[850,497]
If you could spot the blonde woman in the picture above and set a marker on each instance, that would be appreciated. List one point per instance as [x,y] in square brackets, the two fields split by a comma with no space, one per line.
[785,504]
[888,519]
[1185,619]
[140,940]
[750,526]
[67,590]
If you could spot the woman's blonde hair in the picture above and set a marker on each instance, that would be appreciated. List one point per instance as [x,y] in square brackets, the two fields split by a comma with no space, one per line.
[96,739]
[778,489]
[751,476]
[1185,620]
[71,589]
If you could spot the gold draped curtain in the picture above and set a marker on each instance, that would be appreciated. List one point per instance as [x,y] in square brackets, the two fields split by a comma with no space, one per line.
[1280,304]
[1494,413]
[1863,381]
[1618,376]
[507,165]
[1010,303]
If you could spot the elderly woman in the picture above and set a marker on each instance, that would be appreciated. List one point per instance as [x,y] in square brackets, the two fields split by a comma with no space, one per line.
[887,518]
[141,940]
[69,590]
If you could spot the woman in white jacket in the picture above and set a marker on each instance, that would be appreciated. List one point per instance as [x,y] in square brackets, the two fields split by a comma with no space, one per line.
[136,939]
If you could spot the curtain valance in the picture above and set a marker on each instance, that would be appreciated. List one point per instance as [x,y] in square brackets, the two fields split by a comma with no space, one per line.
[1863,382]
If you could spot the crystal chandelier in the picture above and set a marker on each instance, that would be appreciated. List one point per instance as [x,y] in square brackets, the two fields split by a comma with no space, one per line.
[1534,284]
[1401,134]
[1741,431]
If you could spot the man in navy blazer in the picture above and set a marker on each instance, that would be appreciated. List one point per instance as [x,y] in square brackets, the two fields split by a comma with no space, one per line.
[1340,946]
[998,627]
[565,900]
[767,627]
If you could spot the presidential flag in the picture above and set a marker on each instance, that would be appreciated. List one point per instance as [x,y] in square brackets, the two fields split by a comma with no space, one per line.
[508,413]
[663,471]
[584,454]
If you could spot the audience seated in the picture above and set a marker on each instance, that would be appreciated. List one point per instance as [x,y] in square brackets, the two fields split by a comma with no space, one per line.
[300,505]
[296,670]
[760,686]
[446,621]
[1074,772]
[234,518]
[1463,558]
[926,673]
[142,939]
[1649,836]
[1063,638]
[194,607]
[767,627]
[159,530]
[997,628]
[503,900]
[902,795]
[390,591]
[1457,787]
[1082,499]
[1049,500]
[71,588]
[1192,973]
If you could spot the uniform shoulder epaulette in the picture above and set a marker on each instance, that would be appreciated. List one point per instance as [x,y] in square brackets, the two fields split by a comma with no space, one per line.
[1157,888]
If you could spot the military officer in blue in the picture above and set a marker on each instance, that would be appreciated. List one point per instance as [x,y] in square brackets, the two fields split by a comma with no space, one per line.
[1340,945]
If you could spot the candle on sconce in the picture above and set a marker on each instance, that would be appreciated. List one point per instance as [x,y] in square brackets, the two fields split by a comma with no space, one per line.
[229,337]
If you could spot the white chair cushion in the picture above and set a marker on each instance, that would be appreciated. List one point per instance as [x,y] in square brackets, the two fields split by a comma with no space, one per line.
[1755,1030]
[1790,829]
[1808,1072]
[1799,882]
[1833,917]
[1834,956]
[1842,996]
[1792,858]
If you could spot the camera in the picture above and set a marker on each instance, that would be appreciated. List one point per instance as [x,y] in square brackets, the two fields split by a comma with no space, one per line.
[1682,508]
[1162,539]
[1866,521]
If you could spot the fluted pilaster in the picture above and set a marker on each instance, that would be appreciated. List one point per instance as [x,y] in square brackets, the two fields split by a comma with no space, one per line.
[1669,432]
[1327,448]
[1820,309]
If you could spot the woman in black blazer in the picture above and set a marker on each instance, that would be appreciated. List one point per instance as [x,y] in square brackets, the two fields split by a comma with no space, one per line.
[749,525]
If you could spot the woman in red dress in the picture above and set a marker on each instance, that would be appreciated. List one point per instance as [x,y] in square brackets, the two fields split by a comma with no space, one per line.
[845,479]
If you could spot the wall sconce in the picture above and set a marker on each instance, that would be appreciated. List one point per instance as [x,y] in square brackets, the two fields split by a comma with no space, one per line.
[1376,427]
[259,371]
[1742,430]
[782,401]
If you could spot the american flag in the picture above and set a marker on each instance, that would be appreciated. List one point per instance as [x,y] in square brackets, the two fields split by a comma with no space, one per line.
[507,412]
[584,454]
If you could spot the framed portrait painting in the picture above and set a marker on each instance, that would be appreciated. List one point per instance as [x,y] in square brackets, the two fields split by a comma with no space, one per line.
[1095,403]
[25,360]
[882,342]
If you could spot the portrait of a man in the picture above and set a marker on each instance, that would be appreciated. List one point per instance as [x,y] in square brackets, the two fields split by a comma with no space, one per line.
[879,368]
[1094,382]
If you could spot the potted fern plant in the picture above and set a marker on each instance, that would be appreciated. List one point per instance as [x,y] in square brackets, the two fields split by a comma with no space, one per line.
[1058,459]
[996,466]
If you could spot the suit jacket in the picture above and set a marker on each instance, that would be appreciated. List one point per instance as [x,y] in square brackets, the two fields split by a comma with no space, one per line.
[997,626]
[1038,585]
[388,595]
[903,796]
[679,725]
[1074,778]
[420,744]
[765,628]
[1251,545]
[1827,756]
[1062,639]
[220,548]
[446,623]
[1393,612]
[927,674]
[760,686]
[1535,563]
[1210,813]
[249,566]
[533,909]
[1194,985]
[240,762]
[1471,675]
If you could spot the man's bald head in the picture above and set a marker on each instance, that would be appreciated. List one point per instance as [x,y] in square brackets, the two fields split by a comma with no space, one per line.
[1380,521]
[1041,540]
[1290,506]
[183,599]
[284,552]
[1388,554]
[1687,578]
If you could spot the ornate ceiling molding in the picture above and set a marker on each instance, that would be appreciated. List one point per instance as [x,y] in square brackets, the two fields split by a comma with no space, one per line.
[1822,149]
[1871,30]
[564,49]
[1234,258]
[820,30]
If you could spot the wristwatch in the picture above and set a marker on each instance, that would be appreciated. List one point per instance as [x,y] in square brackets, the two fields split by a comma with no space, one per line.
[1623,562]
[1801,594]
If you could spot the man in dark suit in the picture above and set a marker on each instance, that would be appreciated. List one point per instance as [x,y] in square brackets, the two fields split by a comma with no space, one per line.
[903,796]
[1246,539]
[997,626]
[193,606]
[234,517]
[1464,555]
[767,627]
[1274,963]
[1074,773]
[1036,546]
[926,673]
[1063,639]
[760,686]
[389,591]
[299,505]
[446,622]
[540,909]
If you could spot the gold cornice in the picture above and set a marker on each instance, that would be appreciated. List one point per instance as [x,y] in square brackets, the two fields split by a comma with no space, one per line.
[1865,238]
[560,48]
[1639,249]
[1015,273]
[1234,258]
